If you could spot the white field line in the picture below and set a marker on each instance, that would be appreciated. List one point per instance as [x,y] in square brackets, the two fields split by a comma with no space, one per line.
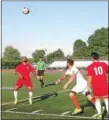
[62,91]
[9,88]
[8,110]
[18,101]
[37,111]
[33,97]
[55,115]
[65,113]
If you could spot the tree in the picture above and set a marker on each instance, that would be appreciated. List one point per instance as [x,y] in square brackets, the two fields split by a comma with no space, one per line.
[79,48]
[99,42]
[11,53]
[58,54]
[11,57]
[38,53]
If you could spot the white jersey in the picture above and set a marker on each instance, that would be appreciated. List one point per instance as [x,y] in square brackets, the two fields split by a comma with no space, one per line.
[79,78]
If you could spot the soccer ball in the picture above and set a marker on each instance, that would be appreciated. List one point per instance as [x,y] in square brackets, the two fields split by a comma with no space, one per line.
[26,10]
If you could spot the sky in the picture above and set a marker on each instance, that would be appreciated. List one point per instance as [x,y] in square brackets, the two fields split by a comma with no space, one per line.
[50,25]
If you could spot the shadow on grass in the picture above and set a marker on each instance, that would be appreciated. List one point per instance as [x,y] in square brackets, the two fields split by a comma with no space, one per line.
[45,96]
[50,84]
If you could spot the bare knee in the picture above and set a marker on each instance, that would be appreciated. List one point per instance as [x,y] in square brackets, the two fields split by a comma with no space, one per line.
[16,88]
[29,88]
[71,94]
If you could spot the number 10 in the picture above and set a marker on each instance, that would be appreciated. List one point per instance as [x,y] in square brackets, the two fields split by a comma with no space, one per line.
[98,70]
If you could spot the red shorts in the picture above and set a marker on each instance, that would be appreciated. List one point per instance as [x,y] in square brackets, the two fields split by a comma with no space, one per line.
[22,82]
[100,92]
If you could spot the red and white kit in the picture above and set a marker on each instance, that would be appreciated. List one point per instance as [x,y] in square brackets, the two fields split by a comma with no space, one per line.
[98,71]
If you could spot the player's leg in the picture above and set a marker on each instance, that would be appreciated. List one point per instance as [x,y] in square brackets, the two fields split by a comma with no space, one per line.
[15,93]
[28,84]
[16,88]
[30,94]
[90,98]
[74,99]
[98,107]
[106,100]
[40,77]
[41,80]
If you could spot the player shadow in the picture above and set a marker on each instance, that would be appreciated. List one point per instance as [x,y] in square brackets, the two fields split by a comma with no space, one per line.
[50,84]
[45,96]
[89,104]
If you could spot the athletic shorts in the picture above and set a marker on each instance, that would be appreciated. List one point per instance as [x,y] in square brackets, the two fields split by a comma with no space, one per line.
[22,82]
[100,92]
[80,89]
[40,73]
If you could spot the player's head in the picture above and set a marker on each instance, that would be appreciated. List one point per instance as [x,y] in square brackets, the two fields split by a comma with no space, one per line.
[41,58]
[70,62]
[95,56]
[24,59]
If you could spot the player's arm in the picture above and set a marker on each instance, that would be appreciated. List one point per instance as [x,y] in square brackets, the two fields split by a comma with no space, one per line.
[89,78]
[61,78]
[69,81]
[18,74]
[33,70]
[45,68]
[37,66]
[89,82]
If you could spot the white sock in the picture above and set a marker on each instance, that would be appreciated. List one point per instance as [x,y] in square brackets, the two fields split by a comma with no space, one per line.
[106,103]
[15,94]
[30,94]
[98,106]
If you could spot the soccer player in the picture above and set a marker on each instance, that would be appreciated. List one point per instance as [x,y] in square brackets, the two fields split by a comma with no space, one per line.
[41,67]
[97,80]
[81,85]
[23,71]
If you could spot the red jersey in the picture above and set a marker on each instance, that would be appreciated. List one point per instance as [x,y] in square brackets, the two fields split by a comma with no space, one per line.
[24,70]
[98,71]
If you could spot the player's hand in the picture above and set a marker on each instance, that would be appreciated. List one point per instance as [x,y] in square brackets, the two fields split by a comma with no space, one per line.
[20,76]
[58,81]
[89,89]
[65,86]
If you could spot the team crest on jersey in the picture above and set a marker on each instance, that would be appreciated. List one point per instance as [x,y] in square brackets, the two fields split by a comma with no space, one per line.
[27,67]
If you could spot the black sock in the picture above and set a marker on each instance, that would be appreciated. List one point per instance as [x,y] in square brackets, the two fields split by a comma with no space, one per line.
[42,82]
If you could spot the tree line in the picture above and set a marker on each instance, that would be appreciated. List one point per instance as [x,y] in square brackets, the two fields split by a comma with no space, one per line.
[97,42]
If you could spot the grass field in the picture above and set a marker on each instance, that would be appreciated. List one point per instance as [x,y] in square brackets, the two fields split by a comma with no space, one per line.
[49,107]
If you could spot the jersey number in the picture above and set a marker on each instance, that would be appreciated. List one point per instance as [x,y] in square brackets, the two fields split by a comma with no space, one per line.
[98,70]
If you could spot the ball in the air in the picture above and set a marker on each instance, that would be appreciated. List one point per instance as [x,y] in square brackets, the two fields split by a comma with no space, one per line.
[26,10]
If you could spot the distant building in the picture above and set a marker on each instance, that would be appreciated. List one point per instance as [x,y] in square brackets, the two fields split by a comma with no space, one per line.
[62,64]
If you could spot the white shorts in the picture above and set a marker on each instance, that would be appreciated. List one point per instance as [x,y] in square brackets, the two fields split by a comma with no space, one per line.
[80,89]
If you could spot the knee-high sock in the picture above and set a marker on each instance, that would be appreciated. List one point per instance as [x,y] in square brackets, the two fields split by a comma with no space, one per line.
[30,94]
[75,101]
[106,103]
[15,93]
[98,106]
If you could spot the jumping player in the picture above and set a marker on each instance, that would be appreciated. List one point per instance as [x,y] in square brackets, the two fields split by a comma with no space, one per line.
[81,85]
[41,67]
[97,80]
[23,71]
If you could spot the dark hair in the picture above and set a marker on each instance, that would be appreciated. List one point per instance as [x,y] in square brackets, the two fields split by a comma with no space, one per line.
[41,57]
[24,57]
[95,55]
[70,61]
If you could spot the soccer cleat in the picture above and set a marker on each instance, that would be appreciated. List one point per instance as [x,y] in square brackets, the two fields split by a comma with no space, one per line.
[77,111]
[103,110]
[99,116]
[30,101]
[15,102]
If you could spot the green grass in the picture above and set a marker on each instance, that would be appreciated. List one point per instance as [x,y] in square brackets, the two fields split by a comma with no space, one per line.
[51,105]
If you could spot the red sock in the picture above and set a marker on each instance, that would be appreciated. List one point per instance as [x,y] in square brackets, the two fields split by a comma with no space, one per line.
[75,102]
[92,100]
